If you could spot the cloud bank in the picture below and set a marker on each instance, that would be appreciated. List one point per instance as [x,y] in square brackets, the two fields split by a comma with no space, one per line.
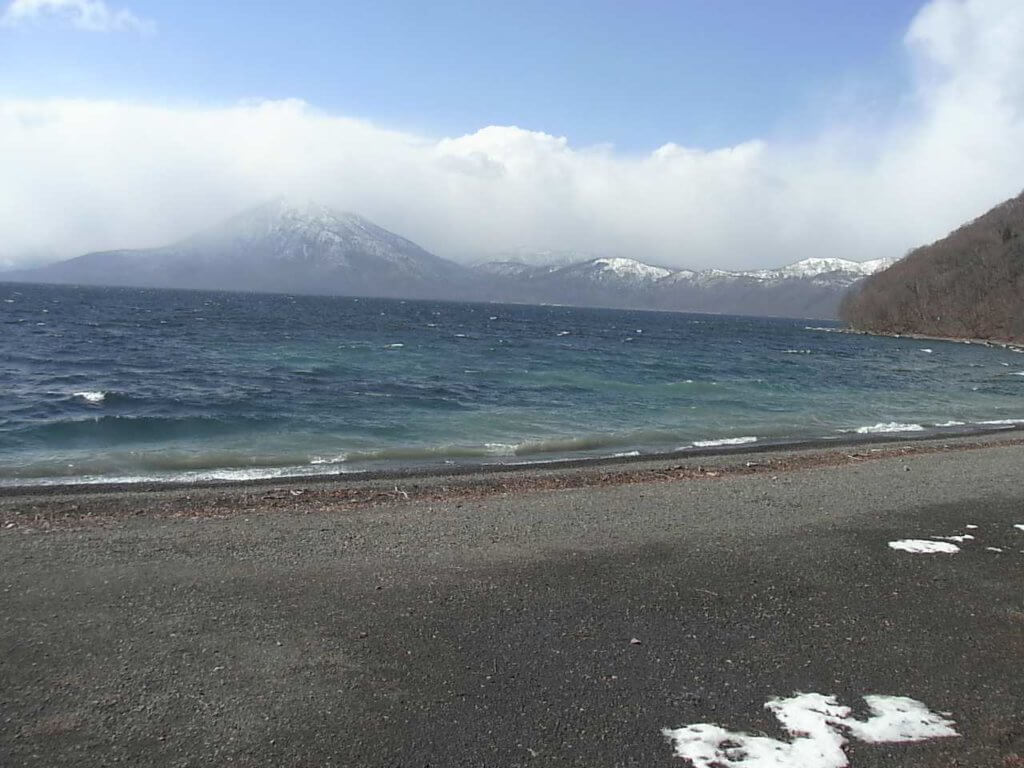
[86,175]
[92,15]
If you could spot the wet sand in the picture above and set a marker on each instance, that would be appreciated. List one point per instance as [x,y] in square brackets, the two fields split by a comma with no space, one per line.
[490,619]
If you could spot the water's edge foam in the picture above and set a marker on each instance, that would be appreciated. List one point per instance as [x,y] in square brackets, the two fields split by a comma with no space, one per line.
[310,472]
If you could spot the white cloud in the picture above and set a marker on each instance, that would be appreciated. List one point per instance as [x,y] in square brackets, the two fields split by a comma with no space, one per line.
[92,15]
[82,175]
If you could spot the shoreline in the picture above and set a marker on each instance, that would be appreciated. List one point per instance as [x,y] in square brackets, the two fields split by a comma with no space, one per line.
[45,506]
[1014,346]
[572,615]
[470,468]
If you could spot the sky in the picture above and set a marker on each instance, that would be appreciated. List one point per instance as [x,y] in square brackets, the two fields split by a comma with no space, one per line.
[687,133]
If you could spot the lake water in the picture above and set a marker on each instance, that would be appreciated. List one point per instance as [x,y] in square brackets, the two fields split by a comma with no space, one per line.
[133,384]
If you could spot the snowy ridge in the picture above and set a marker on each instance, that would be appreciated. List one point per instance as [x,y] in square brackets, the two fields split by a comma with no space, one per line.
[828,270]
[309,232]
[630,269]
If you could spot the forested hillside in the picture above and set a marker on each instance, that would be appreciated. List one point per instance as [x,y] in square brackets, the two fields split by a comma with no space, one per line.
[970,284]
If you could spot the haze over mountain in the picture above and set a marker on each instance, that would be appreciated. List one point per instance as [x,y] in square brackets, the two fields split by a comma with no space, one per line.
[969,284]
[306,247]
[286,246]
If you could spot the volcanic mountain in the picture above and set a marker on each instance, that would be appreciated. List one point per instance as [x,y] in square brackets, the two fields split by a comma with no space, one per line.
[279,246]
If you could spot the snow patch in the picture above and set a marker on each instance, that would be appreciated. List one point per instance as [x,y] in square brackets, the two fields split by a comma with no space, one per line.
[998,550]
[819,727]
[631,269]
[956,539]
[924,547]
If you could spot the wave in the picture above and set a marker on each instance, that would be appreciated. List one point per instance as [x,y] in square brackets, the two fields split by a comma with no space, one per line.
[952,423]
[1000,422]
[724,441]
[117,429]
[91,397]
[886,427]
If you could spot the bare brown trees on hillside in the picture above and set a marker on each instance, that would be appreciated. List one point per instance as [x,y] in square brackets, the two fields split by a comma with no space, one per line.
[968,285]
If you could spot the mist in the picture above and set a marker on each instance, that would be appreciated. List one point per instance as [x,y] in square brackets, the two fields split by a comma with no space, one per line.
[84,175]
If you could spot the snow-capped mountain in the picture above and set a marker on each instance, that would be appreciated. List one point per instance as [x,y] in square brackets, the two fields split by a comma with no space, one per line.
[279,246]
[627,273]
[837,269]
[306,247]
[811,287]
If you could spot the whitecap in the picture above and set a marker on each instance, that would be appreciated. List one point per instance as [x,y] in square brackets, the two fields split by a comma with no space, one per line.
[91,397]
[724,441]
[927,350]
[998,422]
[394,346]
[341,457]
[950,424]
[562,333]
[501,449]
[924,547]
[891,426]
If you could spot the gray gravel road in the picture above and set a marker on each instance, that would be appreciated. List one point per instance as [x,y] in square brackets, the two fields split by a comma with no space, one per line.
[546,627]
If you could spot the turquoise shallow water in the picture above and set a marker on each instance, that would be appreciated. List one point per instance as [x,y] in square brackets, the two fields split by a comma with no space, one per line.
[131,384]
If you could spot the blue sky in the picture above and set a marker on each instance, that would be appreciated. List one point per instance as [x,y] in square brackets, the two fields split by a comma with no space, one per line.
[702,73]
[694,133]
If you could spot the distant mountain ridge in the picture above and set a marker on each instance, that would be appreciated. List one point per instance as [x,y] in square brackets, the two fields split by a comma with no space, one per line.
[969,284]
[808,288]
[305,247]
[294,247]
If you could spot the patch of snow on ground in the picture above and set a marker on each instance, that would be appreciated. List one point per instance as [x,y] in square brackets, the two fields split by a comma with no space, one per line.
[818,725]
[924,547]
[899,719]
[971,527]
[994,549]
[956,539]
[1019,527]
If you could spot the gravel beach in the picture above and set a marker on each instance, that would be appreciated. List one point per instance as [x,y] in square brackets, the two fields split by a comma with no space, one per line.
[562,616]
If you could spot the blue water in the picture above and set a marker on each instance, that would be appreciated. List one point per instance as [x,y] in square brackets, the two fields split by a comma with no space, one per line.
[130,384]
